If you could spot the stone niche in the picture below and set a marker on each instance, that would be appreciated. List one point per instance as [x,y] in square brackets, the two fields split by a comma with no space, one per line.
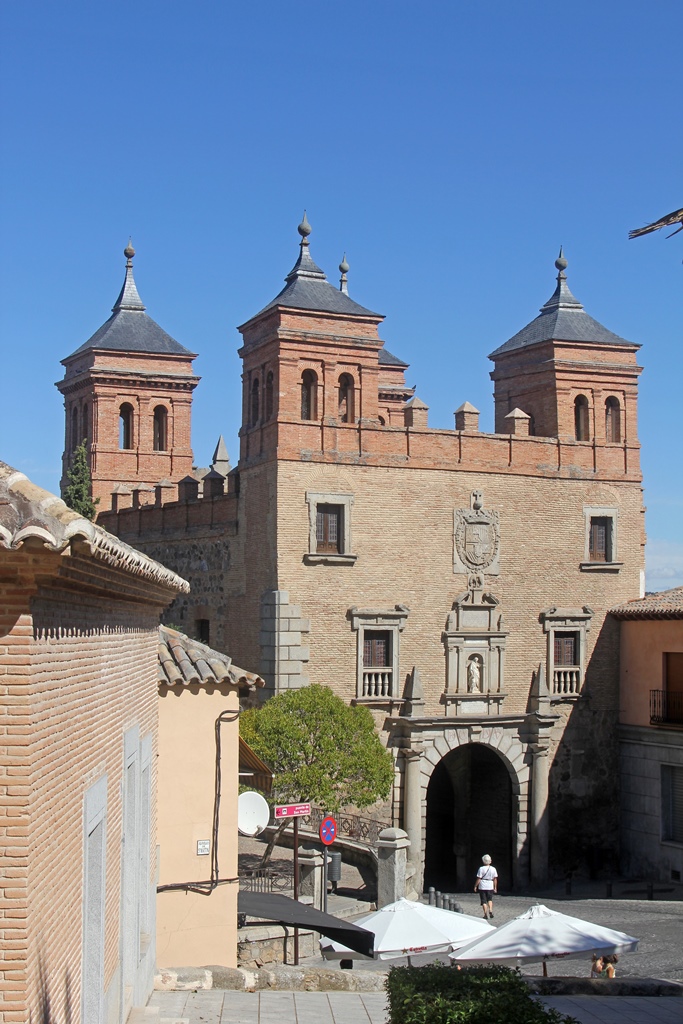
[475,654]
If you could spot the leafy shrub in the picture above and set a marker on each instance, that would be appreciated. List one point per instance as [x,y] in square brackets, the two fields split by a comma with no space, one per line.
[439,994]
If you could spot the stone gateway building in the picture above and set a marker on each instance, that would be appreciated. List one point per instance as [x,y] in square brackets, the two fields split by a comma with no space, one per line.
[455,582]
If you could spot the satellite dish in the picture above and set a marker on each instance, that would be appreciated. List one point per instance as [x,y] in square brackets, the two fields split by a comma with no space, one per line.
[253,814]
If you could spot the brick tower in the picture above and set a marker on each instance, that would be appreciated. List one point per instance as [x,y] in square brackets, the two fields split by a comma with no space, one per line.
[565,375]
[128,393]
[313,357]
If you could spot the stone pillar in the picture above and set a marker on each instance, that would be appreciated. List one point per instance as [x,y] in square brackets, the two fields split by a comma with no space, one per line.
[539,814]
[412,814]
[311,875]
[467,417]
[392,848]
[517,423]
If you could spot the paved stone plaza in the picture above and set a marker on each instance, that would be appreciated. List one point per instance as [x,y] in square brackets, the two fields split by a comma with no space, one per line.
[658,924]
[217,1007]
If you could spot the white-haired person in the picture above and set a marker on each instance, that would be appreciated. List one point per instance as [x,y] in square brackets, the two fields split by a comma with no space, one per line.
[486,884]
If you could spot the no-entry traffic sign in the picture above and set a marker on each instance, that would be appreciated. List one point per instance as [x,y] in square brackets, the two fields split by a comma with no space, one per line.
[292,810]
[328,830]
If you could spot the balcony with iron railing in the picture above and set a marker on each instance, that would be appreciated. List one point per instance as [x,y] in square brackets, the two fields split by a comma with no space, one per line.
[666,707]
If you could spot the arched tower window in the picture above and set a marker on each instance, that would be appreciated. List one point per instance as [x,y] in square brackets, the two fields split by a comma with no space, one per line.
[309,395]
[160,429]
[612,420]
[85,424]
[269,395]
[75,439]
[581,429]
[346,389]
[255,402]
[126,426]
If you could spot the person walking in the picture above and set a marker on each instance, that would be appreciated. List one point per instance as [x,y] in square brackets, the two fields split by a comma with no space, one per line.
[486,884]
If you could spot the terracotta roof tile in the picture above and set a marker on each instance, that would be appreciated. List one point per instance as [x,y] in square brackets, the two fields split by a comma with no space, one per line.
[666,604]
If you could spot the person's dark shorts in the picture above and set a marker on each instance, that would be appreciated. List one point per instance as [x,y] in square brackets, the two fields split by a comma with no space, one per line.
[485,896]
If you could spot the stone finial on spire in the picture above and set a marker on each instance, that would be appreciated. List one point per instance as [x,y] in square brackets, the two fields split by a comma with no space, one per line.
[562,297]
[344,269]
[128,296]
[304,229]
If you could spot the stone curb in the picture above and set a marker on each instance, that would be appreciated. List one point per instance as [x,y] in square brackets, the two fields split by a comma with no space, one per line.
[319,979]
[281,978]
[603,987]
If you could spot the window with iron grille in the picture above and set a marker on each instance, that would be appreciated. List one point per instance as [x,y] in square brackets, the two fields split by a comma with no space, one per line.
[329,528]
[672,803]
[600,539]
[566,649]
[376,649]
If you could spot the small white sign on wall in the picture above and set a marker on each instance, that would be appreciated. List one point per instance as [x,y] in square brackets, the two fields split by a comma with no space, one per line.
[203,847]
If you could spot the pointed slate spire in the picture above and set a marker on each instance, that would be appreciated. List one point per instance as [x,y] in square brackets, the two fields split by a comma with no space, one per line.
[304,266]
[343,269]
[128,296]
[221,460]
[561,298]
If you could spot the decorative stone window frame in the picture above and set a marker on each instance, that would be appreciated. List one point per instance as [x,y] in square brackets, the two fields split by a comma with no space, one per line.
[591,512]
[566,683]
[383,620]
[344,556]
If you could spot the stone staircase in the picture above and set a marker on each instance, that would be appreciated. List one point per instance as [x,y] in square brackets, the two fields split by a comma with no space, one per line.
[152,1015]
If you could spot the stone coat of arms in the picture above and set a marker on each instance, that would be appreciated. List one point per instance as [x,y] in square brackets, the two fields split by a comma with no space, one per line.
[476,538]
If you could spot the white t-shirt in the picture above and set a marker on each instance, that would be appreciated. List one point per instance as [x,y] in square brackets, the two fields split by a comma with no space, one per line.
[486,874]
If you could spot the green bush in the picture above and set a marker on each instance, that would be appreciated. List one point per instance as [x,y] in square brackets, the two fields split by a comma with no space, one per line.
[440,994]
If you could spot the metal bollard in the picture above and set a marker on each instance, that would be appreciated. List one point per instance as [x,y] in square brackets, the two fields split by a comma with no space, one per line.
[650,891]
[568,886]
[439,899]
[431,891]
[608,890]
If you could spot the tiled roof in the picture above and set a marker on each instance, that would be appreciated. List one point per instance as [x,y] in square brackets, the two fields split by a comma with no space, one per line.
[27,512]
[129,328]
[307,287]
[666,604]
[185,661]
[386,358]
[562,318]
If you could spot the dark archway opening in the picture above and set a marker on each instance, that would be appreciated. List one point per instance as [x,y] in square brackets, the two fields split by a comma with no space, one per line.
[469,813]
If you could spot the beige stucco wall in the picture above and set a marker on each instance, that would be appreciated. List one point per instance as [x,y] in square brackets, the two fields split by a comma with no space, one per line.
[194,930]
[643,644]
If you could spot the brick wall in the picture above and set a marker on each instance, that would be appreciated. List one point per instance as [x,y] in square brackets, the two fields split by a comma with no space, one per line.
[78,670]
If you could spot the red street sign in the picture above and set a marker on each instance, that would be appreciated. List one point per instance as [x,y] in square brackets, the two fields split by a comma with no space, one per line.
[292,810]
[328,830]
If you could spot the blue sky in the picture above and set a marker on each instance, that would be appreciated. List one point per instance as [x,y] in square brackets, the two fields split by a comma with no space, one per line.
[449,148]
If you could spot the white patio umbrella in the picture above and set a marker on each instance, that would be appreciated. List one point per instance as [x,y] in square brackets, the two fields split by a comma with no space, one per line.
[407,929]
[542,934]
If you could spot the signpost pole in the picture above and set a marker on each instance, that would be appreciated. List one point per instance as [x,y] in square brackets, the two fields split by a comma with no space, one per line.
[324,879]
[296,887]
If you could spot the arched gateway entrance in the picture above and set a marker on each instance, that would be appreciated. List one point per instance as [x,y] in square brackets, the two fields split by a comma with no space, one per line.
[469,813]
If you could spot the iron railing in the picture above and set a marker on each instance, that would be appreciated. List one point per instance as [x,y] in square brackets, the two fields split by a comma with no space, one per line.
[349,826]
[666,707]
[267,880]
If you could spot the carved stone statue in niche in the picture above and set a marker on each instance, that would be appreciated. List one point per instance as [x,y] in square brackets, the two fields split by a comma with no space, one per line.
[475,653]
[474,673]
[476,538]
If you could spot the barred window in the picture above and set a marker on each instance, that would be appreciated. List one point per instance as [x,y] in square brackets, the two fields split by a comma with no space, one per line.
[600,539]
[566,649]
[672,803]
[329,528]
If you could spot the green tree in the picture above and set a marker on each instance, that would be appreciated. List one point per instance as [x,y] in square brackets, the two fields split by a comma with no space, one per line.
[319,749]
[78,493]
